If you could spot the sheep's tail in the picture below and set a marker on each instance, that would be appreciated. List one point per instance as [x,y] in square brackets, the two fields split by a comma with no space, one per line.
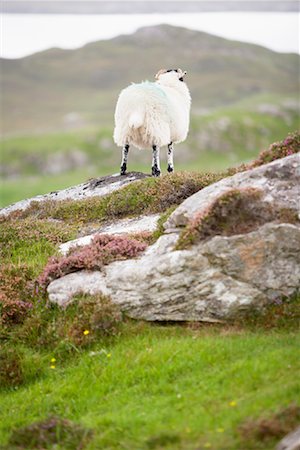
[136,119]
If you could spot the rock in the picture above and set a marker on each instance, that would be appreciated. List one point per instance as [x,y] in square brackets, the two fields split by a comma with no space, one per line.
[123,226]
[291,441]
[61,291]
[278,180]
[216,278]
[208,282]
[92,188]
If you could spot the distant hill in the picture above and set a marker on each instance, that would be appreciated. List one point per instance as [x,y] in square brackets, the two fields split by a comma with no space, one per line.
[58,89]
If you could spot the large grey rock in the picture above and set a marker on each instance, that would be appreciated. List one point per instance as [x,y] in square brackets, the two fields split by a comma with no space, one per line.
[214,279]
[291,441]
[208,282]
[93,188]
[279,182]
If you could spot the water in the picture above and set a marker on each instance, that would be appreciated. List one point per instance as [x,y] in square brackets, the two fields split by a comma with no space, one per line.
[25,34]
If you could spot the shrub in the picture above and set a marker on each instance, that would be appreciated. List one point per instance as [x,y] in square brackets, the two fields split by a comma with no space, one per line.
[96,317]
[50,432]
[289,146]
[11,369]
[103,250]
[16,293]
[276,426]
[280,313]
[86,321]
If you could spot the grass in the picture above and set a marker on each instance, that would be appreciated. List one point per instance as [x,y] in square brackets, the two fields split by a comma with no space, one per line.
[165,387]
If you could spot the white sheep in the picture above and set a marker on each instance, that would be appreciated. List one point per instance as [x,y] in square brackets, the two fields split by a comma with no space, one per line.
[153,115]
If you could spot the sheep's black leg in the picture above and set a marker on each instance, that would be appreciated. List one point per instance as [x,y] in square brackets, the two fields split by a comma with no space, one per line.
[125,151]
[170,158]
[155,161]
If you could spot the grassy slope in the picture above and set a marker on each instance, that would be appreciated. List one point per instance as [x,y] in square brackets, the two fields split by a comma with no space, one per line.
[171,383]
[151,386]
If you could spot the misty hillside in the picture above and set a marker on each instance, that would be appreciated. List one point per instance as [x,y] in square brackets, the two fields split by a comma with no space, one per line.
[52,89]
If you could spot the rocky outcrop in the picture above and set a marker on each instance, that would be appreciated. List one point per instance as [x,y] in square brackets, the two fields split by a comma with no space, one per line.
[279,183]
[215,278]
[96,187]
[291,441]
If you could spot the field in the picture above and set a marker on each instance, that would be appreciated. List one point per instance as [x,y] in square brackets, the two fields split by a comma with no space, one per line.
[165,387]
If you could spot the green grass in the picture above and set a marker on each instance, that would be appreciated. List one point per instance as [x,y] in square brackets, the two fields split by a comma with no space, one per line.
[164,382]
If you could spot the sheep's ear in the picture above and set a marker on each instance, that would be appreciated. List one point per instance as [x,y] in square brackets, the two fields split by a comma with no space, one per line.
[159,73]
[182,72]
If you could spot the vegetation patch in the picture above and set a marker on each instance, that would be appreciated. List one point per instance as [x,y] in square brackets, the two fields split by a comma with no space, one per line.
[11,369]
[237,211]
[289,146]
[49,432]
[150,195]
[17,366]
[163,440]
[281,313]
[95,317]
[62,332]
[16,293]
[274,427]
[27,238]
[103,249]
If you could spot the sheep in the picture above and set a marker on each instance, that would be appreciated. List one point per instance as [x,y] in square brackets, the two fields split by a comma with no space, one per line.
[153,114]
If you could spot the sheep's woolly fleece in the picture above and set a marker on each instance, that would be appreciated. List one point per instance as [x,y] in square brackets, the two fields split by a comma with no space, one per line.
[150,114]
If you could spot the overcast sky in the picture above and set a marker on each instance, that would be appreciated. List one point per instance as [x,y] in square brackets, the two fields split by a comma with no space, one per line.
[26,34]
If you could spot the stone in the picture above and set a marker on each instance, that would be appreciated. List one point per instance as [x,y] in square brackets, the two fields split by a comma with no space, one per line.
[291,441]
[62,290]
[92,188]
[209,282]
[279,182]
[123,226]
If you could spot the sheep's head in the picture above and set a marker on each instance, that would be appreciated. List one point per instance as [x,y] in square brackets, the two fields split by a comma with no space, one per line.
[170,75]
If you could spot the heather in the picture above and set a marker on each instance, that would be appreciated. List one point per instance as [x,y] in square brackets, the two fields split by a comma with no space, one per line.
[286,147]
[103,250]
[51,431]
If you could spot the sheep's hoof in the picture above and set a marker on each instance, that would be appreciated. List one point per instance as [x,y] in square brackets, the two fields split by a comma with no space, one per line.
[170,169]
[155,171]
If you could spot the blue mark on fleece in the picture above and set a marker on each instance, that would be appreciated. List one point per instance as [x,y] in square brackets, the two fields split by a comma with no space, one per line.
[154,87]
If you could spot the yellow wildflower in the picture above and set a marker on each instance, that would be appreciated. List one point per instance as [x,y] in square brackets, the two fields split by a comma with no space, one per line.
[52,366]
[207,445]
[86,332]
[220,430]
[108,355]
[53,360]
[232,404]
